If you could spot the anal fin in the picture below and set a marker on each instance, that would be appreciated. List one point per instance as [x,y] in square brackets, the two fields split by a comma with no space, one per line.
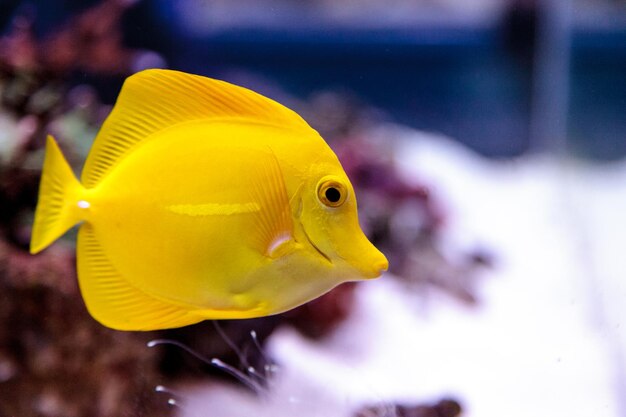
[114,301]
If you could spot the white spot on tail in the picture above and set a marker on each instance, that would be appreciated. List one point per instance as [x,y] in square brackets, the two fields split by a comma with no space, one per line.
[83,204]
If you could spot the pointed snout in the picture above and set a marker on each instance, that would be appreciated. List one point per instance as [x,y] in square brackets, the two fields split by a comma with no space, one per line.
[364,259]
[381,265]
[377,265]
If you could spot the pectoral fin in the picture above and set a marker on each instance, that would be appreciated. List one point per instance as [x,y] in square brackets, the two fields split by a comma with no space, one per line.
[273,232]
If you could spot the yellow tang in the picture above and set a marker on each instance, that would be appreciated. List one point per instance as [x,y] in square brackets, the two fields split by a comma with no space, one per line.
[203,200]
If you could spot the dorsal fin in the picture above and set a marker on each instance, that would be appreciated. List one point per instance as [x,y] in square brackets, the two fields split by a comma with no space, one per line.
[156,99]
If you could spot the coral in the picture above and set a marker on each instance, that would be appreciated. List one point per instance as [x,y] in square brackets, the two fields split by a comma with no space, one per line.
[55,360]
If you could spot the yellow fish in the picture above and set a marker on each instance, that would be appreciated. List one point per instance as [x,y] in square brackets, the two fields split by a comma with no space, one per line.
[203,200]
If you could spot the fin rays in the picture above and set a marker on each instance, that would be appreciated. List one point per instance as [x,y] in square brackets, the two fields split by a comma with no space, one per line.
[58,193]
[153,100]
[274,218]
[116,303]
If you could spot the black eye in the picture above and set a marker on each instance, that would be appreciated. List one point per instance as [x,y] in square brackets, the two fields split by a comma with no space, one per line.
[332,194]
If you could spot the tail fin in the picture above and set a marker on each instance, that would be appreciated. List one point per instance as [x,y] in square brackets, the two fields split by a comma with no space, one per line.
[59,193]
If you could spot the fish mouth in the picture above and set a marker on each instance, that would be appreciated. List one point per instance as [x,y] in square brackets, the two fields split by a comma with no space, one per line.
[314,245]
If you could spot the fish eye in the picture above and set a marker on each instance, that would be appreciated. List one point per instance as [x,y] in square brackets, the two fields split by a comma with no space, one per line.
[332,193]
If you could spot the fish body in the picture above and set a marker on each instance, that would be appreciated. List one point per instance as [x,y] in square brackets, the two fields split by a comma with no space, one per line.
[202,200]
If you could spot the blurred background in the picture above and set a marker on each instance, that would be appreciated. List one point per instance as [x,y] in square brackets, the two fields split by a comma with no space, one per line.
[486,140]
